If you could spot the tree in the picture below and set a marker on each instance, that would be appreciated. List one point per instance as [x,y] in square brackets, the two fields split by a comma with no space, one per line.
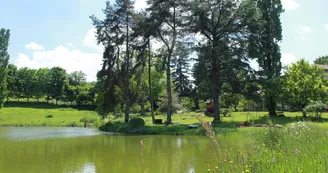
[180,64]
[4,59]
[167,16]
[224,26]
[77,78]
[323,60]
[114,32]
[11,81]
[42,81]
[26,83]
[304,83]
[30,83]
[57,81]
[265,48]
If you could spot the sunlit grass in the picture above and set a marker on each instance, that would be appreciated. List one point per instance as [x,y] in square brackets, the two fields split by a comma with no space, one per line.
[15,116]
[300,147]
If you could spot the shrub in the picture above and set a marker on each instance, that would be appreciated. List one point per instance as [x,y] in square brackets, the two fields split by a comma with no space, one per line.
[135,108]
[136,123]
[123,129]
[109,127]
[49,116]
[315,108]
[73,124]
[163,103]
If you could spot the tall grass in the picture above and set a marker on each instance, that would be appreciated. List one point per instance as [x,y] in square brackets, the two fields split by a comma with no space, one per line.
[299,147]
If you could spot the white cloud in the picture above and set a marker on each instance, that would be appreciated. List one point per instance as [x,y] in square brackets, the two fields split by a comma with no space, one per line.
[140,5]
[304,31]
[91,41]
[288,58]
[34,46]
[326,27]
[290,4]
[71,60]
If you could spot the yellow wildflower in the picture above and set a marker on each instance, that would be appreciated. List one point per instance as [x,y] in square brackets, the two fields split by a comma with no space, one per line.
[224,160]
[217,167]
[208,170]
[247,170]
[231,161]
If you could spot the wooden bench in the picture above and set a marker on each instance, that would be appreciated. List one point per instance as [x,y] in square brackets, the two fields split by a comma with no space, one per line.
[158,121]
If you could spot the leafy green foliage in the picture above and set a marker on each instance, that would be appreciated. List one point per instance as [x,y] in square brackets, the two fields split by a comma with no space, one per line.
[304,83]
[188,103]
[266,34]
[317,108]
[323,60]
[58,79]
[221,53]
[4,59]
[163,103]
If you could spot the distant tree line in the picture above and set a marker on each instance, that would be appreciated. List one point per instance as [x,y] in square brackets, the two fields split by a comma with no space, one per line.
[49,84]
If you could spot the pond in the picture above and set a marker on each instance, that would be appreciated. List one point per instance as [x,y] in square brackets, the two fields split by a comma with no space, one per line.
[78,150]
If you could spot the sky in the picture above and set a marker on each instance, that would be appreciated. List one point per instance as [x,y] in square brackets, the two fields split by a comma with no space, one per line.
[60,32]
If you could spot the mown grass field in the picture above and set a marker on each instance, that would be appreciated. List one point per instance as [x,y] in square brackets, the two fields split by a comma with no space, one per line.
[40,116]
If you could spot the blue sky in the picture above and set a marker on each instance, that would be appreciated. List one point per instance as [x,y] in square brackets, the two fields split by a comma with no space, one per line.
[59,32]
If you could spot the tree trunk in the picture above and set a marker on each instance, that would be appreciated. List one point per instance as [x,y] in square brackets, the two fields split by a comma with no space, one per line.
[272,106]
[143,99]
[56,102]
[303,113]
[168,70]
[169,93]
[150,85]
[215,86]
[127,87]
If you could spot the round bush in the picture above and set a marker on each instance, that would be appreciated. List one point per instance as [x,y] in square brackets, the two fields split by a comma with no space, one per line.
[136,123]
[123,129]
[109,127]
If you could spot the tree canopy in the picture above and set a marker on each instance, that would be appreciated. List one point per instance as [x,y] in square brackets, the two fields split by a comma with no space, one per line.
[304,83]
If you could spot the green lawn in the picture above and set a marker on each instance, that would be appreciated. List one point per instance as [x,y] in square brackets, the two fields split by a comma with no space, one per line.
[37,116]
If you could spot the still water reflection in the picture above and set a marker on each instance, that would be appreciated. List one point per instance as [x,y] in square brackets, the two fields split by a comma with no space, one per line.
[78,150]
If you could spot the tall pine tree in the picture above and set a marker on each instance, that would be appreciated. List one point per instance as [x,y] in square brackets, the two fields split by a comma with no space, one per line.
[181,66]
[224,26]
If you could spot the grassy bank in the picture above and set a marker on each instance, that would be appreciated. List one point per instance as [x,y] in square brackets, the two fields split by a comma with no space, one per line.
[181,123]
[40,115]
[300,147]
[52,115]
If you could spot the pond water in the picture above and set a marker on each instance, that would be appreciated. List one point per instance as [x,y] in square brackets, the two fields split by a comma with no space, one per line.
[78,150]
